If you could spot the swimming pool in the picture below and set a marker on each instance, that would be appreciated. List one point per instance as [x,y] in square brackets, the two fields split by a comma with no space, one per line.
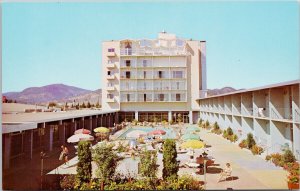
[170,133]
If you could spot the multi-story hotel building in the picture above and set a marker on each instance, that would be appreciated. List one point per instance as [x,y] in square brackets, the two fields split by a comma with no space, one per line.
[271,113]
[147,79]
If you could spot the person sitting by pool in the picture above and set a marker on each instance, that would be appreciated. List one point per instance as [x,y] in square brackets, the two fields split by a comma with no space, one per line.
[226,172]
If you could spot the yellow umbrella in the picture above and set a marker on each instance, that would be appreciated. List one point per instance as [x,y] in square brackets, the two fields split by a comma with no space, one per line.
[101,130]
[193,144]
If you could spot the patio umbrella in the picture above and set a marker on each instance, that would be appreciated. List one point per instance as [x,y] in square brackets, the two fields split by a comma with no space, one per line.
[193,144]
[80,137]
[135,134]
[157,132]
[101,130]
[191,129]
[82,131]
[190,136]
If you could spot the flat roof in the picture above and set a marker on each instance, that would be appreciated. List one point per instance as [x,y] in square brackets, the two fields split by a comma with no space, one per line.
[293,82]
[41,117]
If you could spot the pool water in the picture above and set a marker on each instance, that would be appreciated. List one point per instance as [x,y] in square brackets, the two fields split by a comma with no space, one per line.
[170,133]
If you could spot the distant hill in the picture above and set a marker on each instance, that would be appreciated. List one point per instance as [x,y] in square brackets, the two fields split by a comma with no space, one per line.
[44,94]
[212,92]
[93,97]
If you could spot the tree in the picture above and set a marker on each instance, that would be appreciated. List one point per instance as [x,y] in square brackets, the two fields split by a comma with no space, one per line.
[97,104]
[250,141]
[83,105]
[170,164]
[179,118]
[106,160]
[84,165]
[66,105]
[52,104]
[88,105]
[148,166]
[77,106]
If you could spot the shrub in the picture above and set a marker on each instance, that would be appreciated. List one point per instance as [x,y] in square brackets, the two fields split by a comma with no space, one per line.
[147,166]
[268,157]
[68,182]
[225,134]
[229,131]
[256,150]
[243,144]
[288,156]
[206,124]
[84,165]
[293,169]
[200,122]
[170,164]
[276,159]
[134,122]
[234,138]
[250,141]
[106,161]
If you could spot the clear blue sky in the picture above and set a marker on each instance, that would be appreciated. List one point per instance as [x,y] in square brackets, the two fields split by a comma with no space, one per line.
[248,44]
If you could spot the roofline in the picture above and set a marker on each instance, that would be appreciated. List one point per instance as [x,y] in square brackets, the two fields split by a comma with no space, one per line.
[293,82]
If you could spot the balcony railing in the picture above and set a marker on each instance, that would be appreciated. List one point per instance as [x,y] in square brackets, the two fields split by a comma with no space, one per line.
[153,51]
[110,88]
[110,77]
[110,65]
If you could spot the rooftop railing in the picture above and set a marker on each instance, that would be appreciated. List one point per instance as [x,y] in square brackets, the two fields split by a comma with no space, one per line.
[153,51]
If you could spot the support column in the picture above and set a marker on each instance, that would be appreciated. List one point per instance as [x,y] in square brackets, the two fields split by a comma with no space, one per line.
[169,116]
[191,117]
[136,115]
[28,143]
[91,123]
[62,132]
[7,146]
[49,137]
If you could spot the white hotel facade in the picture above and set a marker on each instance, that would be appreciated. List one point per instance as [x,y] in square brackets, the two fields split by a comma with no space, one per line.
[147,79]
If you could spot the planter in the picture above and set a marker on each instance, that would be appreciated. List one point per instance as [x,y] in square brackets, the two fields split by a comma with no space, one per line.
[293,186]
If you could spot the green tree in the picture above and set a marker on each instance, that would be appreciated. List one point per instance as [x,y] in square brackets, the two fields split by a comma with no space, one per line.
[97,104]
[148,168]
[179,118]
[52,104]
[83,105]
[250,141]
[106,160]
[84,165]
[170,164]
[88,105]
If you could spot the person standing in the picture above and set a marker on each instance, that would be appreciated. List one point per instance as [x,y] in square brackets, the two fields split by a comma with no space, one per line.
[66,154]
[62,153]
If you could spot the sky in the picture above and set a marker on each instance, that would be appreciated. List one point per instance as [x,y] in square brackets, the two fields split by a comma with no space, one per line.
[249,44]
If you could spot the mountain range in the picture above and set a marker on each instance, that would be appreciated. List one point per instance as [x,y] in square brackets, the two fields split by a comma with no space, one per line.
[62,93]
[54,93]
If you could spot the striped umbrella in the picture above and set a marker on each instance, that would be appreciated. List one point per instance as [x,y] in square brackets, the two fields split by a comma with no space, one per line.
[193,144]
[82,131]
[101,130]
[190,136]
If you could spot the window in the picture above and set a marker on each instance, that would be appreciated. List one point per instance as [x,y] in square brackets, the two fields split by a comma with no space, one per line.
[145,97]
[128,97]
[161,97]
[128,75]
[111,50]
[144,43]
[177,74]
[144,63]
[127,63]
[177,85]
[145,74]
[179,42]
[108,73]
[159,74]
[110,96]
[177,97]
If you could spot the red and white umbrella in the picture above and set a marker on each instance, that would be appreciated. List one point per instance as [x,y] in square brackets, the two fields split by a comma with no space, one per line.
[80,137]
[157,132]
[82,131]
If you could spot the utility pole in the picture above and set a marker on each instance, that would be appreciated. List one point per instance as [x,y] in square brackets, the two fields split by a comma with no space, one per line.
[42,155]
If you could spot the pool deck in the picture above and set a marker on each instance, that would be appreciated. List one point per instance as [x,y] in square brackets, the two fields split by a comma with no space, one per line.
[249,171]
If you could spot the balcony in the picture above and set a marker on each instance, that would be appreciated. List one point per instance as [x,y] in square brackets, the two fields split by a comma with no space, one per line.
[110,88]
[160,51]
[110,77]
[111,52]
[110,65]
[110,100]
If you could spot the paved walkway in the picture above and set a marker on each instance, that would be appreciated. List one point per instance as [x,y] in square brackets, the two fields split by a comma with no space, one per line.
[249,171]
